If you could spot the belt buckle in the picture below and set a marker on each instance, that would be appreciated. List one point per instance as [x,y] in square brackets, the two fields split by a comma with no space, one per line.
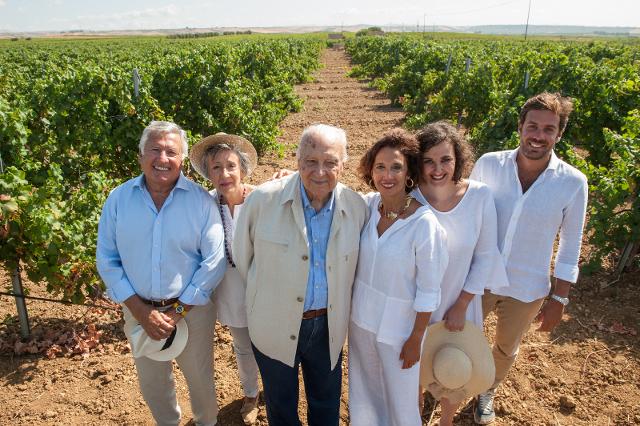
[161,303]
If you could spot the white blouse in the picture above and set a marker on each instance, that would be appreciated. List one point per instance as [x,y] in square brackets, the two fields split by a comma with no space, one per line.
[398,274]
[472,242]
[229,296]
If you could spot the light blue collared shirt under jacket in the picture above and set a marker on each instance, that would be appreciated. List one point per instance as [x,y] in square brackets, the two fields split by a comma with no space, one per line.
[318,228]
[175,252]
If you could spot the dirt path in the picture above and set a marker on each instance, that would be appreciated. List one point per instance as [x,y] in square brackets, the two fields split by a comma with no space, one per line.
[586,372]
[333,98]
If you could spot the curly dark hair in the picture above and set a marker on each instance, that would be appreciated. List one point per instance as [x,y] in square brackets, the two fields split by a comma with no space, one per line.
[401,140]
[444,131]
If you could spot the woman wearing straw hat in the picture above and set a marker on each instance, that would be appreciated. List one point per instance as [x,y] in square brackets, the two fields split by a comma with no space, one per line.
[225,160]
[466,210]
[402,260]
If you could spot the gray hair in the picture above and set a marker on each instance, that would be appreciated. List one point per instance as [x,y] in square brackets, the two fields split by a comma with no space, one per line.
[161,128]
[212,151]
[326,132]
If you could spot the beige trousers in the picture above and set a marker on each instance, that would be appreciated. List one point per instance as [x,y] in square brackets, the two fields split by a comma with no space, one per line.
[156,378]
[514,319]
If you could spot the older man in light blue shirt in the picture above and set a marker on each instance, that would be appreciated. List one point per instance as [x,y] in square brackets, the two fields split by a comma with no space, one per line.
[160,253]
[296,246]
[318,228]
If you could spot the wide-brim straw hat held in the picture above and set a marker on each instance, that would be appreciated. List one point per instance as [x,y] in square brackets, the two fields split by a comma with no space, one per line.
[198,151]
[456,364]
[158,350]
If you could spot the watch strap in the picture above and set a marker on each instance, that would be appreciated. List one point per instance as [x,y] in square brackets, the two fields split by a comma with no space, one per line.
[564,301]
[180,309]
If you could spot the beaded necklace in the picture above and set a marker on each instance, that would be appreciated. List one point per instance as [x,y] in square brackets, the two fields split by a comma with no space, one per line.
[227,227]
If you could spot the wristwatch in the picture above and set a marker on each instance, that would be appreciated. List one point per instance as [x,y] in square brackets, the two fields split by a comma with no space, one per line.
[564,301]
[180,309]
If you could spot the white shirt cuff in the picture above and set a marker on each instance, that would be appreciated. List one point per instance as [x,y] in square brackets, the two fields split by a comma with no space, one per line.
[566,272]
[426,302]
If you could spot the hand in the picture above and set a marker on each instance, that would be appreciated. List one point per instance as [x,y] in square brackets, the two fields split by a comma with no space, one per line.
[172,317]
[410,353]
[550,315]
[455,317]
[156,324]
[282,173]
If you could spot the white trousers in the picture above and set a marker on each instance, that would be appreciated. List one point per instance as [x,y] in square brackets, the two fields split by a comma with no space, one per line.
[157,382]
[247,366]
[381,393]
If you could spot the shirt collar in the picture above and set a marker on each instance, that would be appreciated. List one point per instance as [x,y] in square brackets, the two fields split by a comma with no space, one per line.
[554,161]
[181,183]
[307,204]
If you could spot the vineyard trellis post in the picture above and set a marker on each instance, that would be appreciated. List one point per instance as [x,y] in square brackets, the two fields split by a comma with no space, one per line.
[136,82]
[25,329]
[527,75]
[446,70]
[21,306]
[628,253]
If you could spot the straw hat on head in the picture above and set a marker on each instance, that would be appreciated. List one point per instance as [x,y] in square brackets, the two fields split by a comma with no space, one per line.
[456,364]
[158,350]
[198,151]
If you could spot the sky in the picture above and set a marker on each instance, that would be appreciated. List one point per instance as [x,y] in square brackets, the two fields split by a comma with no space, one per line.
[66,15]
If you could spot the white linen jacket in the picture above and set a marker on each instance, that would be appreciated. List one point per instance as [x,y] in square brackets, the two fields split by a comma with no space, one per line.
[271,252]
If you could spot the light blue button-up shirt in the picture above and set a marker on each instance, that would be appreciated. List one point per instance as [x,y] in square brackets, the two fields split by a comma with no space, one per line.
[175,252]
[318,227]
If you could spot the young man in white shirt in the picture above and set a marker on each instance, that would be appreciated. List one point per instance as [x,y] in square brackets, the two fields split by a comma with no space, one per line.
[537,195]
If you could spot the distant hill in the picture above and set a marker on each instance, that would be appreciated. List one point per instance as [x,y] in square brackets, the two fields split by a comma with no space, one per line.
[478,29]
[554,30]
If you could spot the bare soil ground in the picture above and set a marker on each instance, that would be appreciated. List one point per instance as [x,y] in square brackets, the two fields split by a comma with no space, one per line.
[587,372]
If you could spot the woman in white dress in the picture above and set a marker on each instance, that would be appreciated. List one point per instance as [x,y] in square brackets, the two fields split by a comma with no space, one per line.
[402,259]
[466,210]
[225,160]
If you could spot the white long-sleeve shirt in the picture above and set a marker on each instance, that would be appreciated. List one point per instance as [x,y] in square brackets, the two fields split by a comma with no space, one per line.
[398,274]
[474,259]
[529,222]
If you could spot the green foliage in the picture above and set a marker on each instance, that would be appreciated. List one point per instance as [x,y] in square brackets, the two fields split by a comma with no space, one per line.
[70,124]
[614,210]
[603,79]
[369,31]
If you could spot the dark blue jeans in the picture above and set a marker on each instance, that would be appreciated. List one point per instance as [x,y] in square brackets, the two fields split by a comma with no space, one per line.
[322,385]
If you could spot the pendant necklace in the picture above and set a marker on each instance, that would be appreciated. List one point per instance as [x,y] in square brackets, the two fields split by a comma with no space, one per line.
[393,215]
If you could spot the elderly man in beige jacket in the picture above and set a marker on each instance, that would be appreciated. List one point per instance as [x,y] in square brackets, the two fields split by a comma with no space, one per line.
[296,247]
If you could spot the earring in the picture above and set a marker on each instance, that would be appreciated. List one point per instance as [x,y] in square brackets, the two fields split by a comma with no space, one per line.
[410,185]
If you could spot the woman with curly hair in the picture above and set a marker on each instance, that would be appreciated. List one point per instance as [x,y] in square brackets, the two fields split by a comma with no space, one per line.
[402,259]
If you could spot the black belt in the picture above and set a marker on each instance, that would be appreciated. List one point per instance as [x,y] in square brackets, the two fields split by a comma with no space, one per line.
[160,303]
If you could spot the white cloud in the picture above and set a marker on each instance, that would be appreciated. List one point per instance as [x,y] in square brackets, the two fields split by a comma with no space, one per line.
[168,16]
[3,3]
[170,10]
